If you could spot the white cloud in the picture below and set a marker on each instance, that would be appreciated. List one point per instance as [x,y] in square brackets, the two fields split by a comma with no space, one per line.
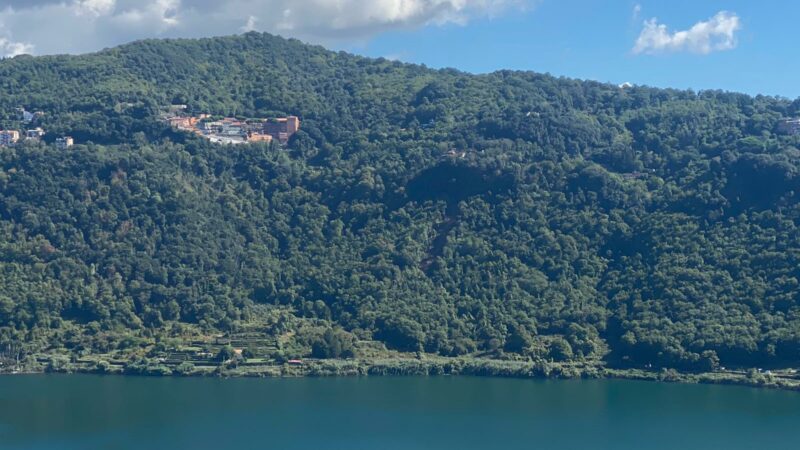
[637,11]
[9,49]
[94,7]
[250,25]
[716,34]
[153,15]
[75,26]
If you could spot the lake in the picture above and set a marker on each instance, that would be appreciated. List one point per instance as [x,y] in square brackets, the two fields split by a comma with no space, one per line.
[115,412]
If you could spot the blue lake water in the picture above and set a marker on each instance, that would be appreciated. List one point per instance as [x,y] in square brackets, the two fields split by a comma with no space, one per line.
[114,412]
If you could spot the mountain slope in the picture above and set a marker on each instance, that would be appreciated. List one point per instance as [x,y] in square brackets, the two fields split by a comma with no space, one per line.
[512,215]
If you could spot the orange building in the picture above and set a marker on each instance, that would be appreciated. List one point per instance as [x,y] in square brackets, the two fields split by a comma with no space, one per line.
[184,123]
[292,124]
[258,137]
[282,129]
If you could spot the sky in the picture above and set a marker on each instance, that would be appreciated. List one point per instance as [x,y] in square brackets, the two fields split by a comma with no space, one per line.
[735,45]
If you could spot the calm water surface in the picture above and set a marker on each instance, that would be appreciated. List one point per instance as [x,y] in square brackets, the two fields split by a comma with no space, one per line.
[93,412]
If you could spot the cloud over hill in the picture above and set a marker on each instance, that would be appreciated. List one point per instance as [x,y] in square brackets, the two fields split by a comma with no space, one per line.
[74,26]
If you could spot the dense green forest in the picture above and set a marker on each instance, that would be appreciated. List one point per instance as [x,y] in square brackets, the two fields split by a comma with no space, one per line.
[513,214]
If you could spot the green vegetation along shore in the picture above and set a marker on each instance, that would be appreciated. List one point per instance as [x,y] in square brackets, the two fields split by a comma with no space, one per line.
[399,366]
[248,353]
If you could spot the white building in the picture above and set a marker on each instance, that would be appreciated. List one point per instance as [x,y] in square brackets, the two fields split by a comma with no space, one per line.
[27,116]
[34,134]
[64,142]
[8,137]
[789,126]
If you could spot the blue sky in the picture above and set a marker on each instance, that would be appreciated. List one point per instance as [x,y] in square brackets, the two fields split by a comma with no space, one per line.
[737,45]
[593,39]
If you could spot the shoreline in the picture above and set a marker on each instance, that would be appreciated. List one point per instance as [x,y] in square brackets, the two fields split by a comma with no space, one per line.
[438,367]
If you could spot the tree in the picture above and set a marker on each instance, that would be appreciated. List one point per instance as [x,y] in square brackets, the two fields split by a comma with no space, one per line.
[225,353]
[333,344]
[560,350]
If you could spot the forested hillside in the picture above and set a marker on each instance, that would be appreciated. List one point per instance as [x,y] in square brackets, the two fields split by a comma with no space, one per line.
[513,214]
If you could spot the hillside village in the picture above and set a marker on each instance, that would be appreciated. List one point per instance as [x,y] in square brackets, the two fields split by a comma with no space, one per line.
[229,130]
[223,130]
[31,132]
